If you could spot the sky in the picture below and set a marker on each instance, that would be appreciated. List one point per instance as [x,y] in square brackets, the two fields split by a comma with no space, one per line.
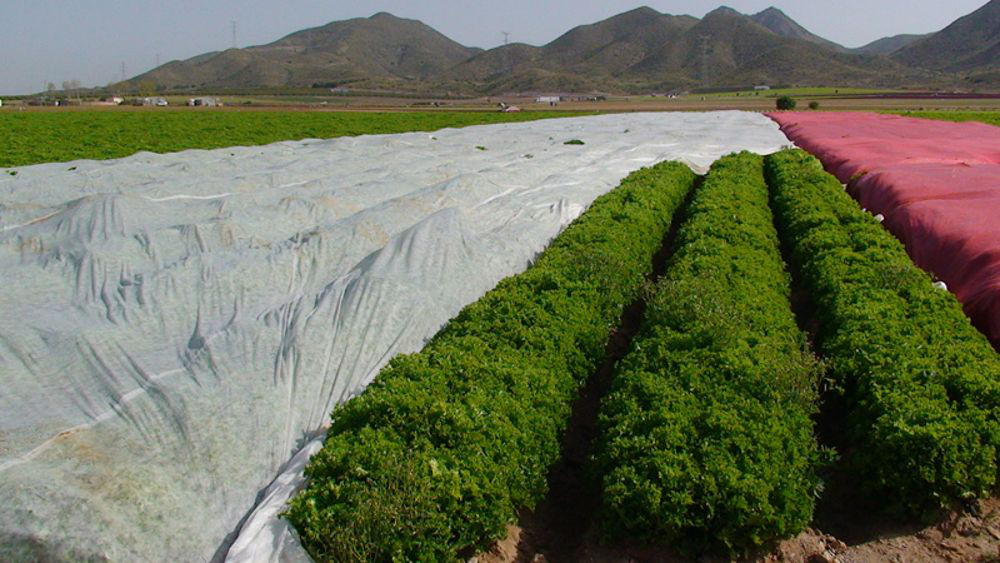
[87,40]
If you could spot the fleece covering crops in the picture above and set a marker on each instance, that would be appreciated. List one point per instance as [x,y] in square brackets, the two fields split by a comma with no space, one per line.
[174,328]
[937,184]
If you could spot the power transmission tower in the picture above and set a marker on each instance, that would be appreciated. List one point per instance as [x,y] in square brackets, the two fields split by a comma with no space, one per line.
[706,51]
[123,71]
[506,52]
[157,60]
[232,24]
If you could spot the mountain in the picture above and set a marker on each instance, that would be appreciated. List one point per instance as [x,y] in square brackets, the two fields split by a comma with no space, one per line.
[585,58]
[641,50]
[889,45]
[729,49]
[617,43]
[381,48]
[778,22]
[971,44]
[644,50]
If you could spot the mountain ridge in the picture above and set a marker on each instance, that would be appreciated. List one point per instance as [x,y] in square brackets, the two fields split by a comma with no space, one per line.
[777,21]
[970,43]
[634,51]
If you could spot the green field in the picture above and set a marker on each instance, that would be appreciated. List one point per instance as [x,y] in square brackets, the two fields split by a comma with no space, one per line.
[52,136]
[991,117]
[801,92]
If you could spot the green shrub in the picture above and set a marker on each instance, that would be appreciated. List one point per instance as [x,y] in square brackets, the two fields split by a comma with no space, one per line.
[706,439]
[922,385]
[813,105]
[786,103]
[574,142]
[442,449]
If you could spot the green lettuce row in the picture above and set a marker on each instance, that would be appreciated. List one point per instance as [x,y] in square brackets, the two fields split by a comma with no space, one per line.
[439,453]
[922,386]
[706,437]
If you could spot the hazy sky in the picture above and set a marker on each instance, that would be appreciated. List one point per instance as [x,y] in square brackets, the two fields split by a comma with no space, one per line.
[87,40]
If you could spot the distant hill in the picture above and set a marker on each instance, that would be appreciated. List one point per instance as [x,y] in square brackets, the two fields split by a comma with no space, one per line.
[643,49]
[889,45]
[729,49]
[640,50]
[585,58]
[778,22]
[382,47]
[970,44]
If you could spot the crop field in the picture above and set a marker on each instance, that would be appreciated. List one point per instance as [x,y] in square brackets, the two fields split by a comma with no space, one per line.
[797,92]
[989,117]
[213,307]
[706,440]
[610,337]
[59,136]
[934,185]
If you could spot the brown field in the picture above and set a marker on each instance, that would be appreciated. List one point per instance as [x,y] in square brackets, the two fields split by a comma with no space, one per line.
[856,102]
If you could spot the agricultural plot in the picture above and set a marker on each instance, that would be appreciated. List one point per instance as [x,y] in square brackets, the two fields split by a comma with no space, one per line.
[444,448]
[921,385]
[175,327]
[988,117]
[57,136]
[935,185]
[706,437]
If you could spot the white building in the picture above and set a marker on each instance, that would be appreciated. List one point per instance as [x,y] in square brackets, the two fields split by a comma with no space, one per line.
[762,88]
[204,102]
[548,99]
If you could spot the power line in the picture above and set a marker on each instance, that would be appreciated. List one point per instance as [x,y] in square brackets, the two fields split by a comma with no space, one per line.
[506,52]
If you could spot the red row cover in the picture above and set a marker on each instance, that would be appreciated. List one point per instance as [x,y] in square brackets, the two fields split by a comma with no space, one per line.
[936,183]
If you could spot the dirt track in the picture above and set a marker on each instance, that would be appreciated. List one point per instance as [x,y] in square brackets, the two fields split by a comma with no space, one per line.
[961,537]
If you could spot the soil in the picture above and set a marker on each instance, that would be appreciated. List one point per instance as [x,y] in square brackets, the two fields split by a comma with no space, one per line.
[964,537]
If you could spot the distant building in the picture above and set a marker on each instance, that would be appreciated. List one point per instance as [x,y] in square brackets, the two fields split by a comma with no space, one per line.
[158,102]
[204,102]
[1,103]
[762,88]
[548,99]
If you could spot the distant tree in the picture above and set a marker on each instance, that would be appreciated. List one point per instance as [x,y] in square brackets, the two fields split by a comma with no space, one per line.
[814,105]
[147,88]
[786,102]
[50,87]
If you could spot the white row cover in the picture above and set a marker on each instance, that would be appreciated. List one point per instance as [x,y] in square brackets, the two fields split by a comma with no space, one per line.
[174,328]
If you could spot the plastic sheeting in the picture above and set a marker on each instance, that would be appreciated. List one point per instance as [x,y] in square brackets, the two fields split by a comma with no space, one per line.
[937,185]
[174,328]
